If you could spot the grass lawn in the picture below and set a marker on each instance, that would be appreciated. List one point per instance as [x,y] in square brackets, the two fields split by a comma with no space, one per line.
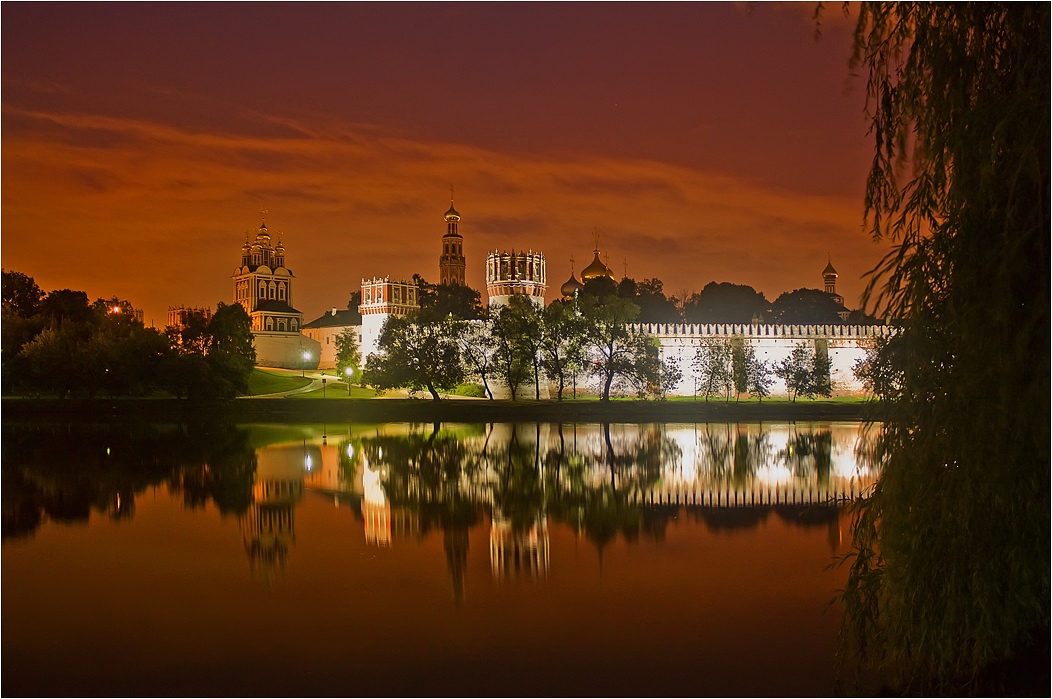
[336,390]
[263,382]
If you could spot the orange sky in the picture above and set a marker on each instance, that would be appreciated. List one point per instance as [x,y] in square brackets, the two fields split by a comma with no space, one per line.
[705,142]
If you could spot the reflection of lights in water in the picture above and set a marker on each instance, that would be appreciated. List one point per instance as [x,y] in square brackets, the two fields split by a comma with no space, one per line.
[350,451]
[308,463]
[374,491]
[380,452]
[774,475]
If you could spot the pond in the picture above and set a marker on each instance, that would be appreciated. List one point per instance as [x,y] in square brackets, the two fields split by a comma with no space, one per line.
[446,559]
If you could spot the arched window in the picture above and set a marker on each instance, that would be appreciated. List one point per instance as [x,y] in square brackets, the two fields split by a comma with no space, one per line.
[270,323]
[262,290]
[281,291]
[294,325]
[282,326]
[272,290]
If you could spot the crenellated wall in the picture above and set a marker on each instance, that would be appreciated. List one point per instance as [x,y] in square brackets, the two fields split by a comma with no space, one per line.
[772,344]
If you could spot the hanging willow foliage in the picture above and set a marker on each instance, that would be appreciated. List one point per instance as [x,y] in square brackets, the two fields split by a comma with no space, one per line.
[950,570]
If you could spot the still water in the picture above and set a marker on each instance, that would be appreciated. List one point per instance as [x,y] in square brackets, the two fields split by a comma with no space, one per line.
[393,559]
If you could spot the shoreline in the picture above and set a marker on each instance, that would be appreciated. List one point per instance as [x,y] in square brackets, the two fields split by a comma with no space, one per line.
[414,410]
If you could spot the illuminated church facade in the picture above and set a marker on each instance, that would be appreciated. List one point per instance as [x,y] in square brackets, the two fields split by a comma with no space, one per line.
[263,286]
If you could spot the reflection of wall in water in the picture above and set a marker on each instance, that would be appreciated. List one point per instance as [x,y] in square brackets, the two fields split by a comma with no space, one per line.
[522,554]
[752,464]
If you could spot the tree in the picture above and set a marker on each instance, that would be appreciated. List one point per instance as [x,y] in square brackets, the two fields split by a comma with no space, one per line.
[806,307]
[877,371]
[711,366]
[820,385]
[950,561]
[479,348]
[348,354]
[562,342]
[21,294]
[649,295]
[230,350]
[724,302]
[743,356]
[517,330]
[599,287]
[760,379]
[441,300]
[797,371]
[612,346]
[416,353]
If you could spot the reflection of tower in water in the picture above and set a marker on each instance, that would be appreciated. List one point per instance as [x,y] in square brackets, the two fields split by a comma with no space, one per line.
[268,528]
[376,510]
[522,554]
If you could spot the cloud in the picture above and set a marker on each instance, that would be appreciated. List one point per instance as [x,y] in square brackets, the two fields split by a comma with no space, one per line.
[157,213]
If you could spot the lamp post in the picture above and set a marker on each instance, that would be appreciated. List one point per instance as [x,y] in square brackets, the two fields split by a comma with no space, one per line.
[306,358]
[348,372]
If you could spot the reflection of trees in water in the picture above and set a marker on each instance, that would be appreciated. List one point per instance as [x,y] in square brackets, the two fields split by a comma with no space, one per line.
[64,472]
[525,474]
[596,478]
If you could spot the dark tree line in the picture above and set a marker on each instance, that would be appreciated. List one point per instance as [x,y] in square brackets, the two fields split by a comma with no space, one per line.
[60,344]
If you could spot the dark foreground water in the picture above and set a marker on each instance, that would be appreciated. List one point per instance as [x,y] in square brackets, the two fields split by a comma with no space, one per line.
[422,559]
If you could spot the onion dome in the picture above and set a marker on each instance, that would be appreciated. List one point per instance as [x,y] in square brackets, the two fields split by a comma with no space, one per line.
[263,235]
[571,287]
[452,214]
[596,269]
[829,269]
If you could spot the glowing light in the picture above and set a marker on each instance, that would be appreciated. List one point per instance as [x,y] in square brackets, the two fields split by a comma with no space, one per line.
[115,309]
[308,463]
[350,451]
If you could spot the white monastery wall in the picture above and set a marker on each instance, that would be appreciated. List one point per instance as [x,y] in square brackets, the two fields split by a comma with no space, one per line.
[772,344]
[284,350]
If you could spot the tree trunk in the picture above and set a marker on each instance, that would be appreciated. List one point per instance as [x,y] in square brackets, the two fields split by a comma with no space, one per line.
[434,393]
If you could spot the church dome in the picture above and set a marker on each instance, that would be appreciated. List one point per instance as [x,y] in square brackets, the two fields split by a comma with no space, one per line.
[452,214]
[570,287]
[829,269]
[596,269]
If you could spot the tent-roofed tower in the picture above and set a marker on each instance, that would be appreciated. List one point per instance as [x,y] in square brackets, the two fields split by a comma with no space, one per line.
[829,275]
[451,264]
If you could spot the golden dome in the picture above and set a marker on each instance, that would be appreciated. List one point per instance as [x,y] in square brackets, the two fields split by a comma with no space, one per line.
[452,214]
[570,287]
[829,270]
[596,269]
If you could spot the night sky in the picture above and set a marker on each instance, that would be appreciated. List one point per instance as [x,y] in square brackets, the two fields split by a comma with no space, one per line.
[705,142]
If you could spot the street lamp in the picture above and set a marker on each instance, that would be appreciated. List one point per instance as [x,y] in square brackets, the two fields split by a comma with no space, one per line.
[306,358]
[348,372]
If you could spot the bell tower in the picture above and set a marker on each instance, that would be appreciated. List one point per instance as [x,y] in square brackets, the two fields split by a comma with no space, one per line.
[451,264]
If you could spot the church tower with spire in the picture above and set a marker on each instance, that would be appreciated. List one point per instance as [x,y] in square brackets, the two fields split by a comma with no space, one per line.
[451,264]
